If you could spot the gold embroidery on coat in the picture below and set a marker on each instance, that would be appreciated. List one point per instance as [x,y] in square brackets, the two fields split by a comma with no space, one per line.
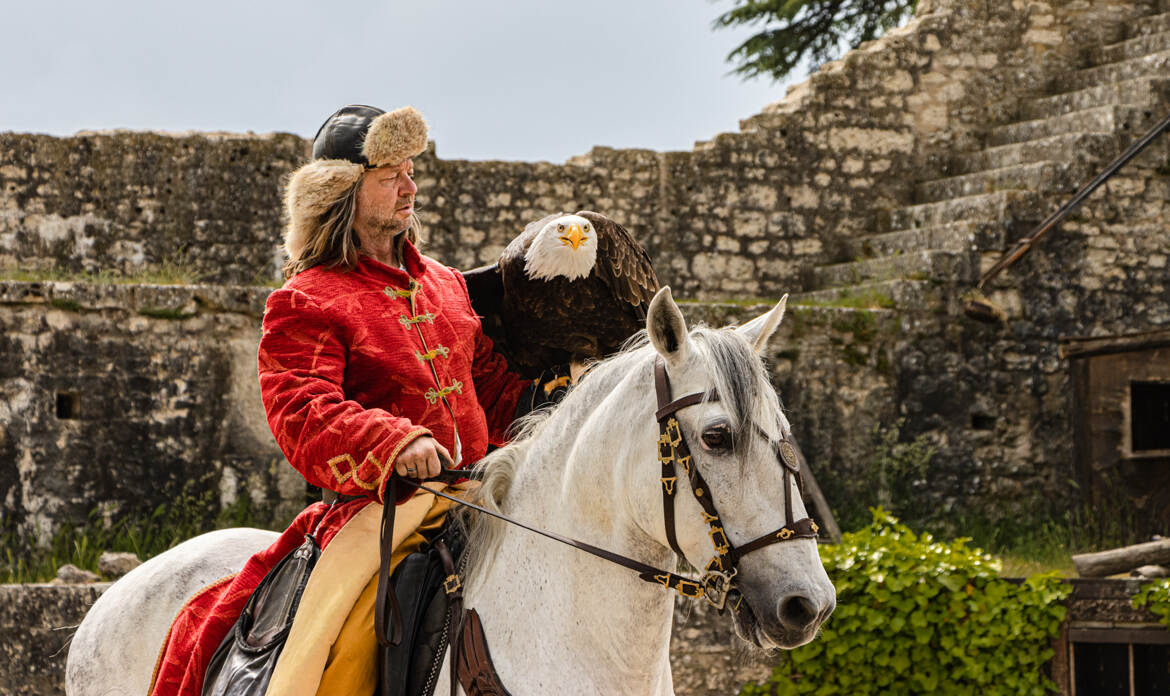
[433,396]
[352,471]
[432,353]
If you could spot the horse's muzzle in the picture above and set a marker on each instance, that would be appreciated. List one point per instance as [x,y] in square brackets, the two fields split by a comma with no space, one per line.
[794,622]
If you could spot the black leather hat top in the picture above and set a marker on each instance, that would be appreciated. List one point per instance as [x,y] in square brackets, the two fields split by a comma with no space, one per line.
[343,133]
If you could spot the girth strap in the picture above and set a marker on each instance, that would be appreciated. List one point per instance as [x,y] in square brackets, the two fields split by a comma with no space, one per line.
[473,662]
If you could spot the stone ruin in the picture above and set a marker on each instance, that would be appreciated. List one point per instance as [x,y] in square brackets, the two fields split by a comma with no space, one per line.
[875,192]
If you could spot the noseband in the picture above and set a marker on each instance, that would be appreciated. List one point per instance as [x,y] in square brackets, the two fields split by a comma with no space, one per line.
[715,585]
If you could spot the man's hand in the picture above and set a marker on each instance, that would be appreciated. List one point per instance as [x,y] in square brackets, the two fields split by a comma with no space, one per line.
[421,459]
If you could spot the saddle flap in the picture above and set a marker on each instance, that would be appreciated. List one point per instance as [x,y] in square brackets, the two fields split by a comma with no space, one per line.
[272,607]
[243,663]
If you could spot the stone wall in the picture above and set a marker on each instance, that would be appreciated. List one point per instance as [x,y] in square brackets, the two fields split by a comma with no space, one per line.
[119,398]
[122,201]
[998,400]
[36,623]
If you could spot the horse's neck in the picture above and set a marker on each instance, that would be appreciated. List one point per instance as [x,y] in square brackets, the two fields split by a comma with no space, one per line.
[558,619]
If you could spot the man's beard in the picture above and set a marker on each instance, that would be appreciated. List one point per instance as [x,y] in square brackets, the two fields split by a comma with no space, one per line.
[381,230]
[385,227]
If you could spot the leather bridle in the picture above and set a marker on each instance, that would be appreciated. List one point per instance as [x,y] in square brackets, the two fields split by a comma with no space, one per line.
[715,584]
[471,663]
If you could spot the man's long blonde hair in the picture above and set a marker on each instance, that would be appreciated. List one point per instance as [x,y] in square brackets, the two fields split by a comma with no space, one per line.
[333,242]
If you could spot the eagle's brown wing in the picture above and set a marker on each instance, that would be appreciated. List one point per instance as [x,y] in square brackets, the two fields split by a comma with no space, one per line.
[485,289]
[621,285]
[622,264]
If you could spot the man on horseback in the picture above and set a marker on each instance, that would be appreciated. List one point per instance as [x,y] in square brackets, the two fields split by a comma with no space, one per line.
[372,361]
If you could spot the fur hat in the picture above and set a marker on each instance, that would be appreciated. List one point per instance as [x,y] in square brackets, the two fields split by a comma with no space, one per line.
[355,138]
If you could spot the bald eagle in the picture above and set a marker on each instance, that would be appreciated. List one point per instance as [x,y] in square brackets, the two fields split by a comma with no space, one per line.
[569,287]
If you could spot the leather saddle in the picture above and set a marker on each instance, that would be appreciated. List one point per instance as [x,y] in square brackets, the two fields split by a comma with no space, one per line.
[419,617]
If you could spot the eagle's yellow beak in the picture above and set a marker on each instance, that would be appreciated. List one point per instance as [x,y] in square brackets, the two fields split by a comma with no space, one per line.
[573,237]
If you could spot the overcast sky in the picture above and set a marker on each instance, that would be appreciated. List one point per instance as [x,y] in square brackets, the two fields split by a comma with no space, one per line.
[513,79]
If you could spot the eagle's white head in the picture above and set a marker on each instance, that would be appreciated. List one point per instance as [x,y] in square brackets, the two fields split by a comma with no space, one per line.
[567,247]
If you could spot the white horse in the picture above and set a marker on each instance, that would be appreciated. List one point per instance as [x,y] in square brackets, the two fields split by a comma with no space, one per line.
[558,620]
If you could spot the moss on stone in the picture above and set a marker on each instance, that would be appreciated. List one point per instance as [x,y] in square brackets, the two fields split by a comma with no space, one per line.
[852,355]
[161,274]
[855,298]
[67,305]
[861,324]
[165,313]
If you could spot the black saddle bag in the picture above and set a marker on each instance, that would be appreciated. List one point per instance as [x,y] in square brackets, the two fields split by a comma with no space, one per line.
[419,588]
[244,661]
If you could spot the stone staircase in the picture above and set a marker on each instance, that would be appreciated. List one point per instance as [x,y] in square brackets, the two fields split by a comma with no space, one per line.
[1023,172]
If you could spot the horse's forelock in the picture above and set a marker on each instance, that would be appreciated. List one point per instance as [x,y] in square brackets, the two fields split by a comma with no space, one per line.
[740,380]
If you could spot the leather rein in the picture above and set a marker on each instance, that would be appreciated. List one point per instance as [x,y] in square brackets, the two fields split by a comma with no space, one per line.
[715,585]
[471,663]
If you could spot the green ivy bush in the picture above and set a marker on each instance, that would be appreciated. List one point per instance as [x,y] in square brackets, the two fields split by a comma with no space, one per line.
[918,616]
[1155,596]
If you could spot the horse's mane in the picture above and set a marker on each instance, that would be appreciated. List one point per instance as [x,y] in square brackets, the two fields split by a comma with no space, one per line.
[739,379]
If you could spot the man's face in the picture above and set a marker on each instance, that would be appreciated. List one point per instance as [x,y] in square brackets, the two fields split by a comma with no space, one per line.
[385,200]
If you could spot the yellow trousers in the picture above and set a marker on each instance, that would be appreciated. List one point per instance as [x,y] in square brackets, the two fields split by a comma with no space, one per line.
[333,633]
[352,667]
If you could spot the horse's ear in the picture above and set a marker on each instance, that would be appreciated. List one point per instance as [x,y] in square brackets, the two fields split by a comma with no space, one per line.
[759,330]
[667,328]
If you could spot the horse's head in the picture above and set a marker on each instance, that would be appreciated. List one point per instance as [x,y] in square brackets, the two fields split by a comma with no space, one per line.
[734,438]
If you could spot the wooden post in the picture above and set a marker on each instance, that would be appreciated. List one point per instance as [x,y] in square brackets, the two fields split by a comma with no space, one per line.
[1122,560]
[813,491]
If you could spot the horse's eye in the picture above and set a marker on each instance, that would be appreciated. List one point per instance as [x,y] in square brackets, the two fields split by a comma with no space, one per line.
[717,438]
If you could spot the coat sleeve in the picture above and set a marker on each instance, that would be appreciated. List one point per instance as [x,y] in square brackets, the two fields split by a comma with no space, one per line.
[334,442]
[497,388]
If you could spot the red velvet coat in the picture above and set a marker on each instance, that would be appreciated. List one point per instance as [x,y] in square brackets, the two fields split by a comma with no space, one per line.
[354,365]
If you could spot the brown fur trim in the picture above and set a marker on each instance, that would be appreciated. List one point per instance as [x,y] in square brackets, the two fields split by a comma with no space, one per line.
[395,136]
[312,189]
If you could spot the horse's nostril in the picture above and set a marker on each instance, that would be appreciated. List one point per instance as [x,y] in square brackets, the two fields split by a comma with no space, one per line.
[796,612]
